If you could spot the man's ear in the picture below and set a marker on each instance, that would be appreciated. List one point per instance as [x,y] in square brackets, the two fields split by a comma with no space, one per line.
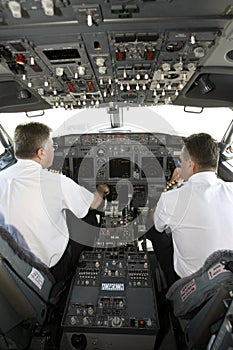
[40,153]
[194,166]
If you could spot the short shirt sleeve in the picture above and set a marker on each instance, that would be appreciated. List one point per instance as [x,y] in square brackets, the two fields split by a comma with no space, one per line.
[170,209]
[75,197]
[160,215]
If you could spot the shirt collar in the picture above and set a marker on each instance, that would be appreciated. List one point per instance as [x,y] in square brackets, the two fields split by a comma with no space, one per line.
[28,163]
[203,176]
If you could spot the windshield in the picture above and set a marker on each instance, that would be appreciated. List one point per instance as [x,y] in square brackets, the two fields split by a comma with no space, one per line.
[160,119]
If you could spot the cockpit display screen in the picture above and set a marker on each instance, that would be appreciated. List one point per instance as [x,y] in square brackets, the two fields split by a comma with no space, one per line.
[113,287]
[119,167]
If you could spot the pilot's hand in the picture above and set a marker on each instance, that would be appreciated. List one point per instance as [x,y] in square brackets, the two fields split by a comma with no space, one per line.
[176,180]
[152,212]
[177,175]
[103,189]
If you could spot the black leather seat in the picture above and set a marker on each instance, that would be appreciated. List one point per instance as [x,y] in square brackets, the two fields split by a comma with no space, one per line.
[199,300]
[27,292]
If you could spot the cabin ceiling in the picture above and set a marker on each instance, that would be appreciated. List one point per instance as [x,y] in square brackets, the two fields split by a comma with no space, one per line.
[75,54]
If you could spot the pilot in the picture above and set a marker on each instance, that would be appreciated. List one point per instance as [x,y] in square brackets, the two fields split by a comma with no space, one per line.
[199,213]
[34,200]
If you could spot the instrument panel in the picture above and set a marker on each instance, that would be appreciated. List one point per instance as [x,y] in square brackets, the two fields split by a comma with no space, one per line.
[137,157]
[137,166]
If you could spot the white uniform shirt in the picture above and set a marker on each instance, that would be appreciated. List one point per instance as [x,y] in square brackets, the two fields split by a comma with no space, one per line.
[200,216]
[33,200]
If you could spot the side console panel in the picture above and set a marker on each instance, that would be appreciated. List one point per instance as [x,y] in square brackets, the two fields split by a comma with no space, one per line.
[111,302]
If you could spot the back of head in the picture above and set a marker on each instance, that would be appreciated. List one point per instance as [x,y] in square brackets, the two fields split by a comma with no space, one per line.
[202,149]
[29,137]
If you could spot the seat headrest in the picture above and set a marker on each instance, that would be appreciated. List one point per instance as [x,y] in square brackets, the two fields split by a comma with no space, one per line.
[19,247]
[190,292]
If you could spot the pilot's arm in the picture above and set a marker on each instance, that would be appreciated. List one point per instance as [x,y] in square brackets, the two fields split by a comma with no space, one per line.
[158,218]
[101,191]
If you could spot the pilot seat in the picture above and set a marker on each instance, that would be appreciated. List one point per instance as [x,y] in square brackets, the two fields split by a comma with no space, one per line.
[201,300]
[29,294]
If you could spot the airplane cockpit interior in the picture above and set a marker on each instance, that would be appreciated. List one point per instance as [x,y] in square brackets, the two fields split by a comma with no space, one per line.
[122,83]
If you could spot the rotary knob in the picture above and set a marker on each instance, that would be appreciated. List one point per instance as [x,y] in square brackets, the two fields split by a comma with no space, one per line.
[116,321]
[73,320]
[85,321]
[90,311]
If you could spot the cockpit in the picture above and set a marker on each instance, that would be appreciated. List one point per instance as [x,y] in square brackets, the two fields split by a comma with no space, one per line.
[121,84]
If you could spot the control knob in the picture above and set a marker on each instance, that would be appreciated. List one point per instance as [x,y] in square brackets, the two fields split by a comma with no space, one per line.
[116,321]
[73,321]
[85,321]
[90,311]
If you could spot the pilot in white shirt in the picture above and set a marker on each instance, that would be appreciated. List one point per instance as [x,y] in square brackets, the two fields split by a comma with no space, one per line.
[199,213]
[33,199]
